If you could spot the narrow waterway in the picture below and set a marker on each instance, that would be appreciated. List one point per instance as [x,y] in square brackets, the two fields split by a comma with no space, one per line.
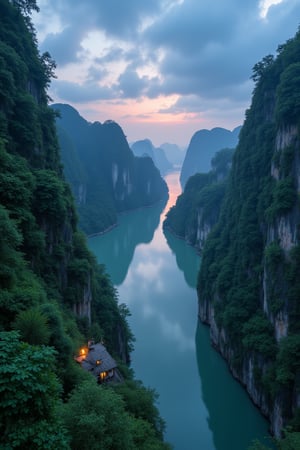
[155,274]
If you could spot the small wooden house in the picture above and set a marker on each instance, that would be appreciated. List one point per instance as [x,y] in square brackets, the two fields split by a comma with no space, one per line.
[96,359]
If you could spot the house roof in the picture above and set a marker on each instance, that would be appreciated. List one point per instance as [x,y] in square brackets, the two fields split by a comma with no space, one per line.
[98,360]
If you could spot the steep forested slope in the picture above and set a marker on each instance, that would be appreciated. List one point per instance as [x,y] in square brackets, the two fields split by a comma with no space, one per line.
[249,282]
[53,295]
[105,176]
[43,255]
[197,209]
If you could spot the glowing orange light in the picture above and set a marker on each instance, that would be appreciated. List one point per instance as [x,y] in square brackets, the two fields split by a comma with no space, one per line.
[103,375]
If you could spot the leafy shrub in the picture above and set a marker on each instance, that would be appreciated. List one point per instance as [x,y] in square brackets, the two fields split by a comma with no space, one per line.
[29,397]
[33,327]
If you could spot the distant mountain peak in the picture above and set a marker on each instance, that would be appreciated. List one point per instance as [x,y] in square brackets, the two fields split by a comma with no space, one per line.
[203,146]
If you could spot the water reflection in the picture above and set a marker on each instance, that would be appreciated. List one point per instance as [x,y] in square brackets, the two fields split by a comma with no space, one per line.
[233,420]
[204,408]
[154,294]
[186,260]
[164,311]
[133,228]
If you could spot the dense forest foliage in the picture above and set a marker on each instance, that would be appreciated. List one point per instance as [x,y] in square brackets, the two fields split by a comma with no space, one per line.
[249,281]
[105,176]
[197,209]
[53,294]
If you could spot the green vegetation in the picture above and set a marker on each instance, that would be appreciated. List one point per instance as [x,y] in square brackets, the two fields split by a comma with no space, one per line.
[288,96]
[250,270]
[53,294]
[33,326]
[105,176]
[290,441]
[30,394]
[284,197]
[198,207]
[251,266]
[107,421]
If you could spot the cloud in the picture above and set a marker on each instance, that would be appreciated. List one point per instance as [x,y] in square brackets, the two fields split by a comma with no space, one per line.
[113,53]
[80,93]
[116,18]
[196,104]
[172,330]
[189,26]
[150,272]
[202,52]
[96,73]
[131,85]
[65,45]
[210,48]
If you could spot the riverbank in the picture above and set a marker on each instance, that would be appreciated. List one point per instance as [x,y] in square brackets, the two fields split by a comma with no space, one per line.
[123,213]
[157,281]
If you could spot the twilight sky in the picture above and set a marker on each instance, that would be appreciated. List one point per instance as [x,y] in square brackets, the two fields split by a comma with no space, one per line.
[162,69]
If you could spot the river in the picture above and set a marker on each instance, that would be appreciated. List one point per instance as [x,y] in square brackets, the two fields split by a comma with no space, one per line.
[155,274]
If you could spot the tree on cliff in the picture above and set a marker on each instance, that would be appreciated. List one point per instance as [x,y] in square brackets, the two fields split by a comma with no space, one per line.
[26,6]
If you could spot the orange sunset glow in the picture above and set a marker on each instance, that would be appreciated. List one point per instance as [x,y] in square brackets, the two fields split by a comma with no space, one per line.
[161,70]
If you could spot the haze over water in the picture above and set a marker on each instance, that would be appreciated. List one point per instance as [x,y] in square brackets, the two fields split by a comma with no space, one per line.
[155,274]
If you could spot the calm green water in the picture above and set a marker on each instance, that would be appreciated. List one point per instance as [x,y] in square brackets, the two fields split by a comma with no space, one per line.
[155,274]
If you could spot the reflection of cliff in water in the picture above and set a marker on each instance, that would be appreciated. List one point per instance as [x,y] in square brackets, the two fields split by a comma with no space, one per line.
[187,260]
[116,248]
[228,409]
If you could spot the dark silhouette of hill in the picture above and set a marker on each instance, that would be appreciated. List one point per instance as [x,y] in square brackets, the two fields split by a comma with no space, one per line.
[105,176]
[203,147]
[145,147]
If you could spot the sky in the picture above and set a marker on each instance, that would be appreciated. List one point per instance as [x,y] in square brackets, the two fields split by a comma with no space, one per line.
[161,69]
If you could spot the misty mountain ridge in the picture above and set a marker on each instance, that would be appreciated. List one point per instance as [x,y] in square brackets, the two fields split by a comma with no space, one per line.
[145,147]
[174,153]
[203,147]
[105,176]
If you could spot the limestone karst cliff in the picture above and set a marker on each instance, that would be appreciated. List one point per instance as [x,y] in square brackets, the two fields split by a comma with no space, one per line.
[246,228]
[197,209]
[46,267]
[105,176]
[249,281]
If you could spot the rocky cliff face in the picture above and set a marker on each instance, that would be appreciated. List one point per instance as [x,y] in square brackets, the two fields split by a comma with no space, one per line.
[247,373]
[248,284]
[45,264]
[203,229]
[197,210]
[105,176]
